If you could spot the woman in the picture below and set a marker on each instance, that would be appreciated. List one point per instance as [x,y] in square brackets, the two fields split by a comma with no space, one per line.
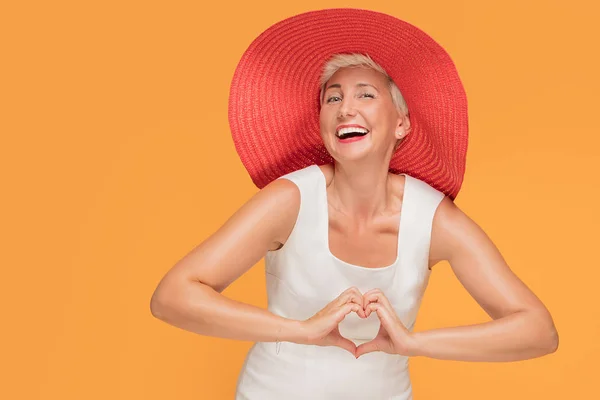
[348,245]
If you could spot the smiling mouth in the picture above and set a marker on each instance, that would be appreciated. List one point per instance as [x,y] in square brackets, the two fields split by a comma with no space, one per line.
[347,133]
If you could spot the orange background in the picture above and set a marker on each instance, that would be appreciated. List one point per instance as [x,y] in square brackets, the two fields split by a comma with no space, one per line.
[117,160]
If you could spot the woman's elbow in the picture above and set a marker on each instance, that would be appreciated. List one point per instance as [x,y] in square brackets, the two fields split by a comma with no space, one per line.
[179,300]
[163,302]
[552,344]
[158,306]
[546,335]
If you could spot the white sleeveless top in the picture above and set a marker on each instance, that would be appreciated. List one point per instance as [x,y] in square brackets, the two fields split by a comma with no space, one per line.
[304,276]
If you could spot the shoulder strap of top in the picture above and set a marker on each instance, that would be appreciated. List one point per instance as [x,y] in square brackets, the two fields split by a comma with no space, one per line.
[422,202]
[307,181]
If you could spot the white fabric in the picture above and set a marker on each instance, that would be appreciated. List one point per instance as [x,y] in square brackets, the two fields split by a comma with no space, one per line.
[303,276]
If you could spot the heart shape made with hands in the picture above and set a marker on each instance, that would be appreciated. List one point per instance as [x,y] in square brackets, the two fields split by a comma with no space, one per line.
[392,337]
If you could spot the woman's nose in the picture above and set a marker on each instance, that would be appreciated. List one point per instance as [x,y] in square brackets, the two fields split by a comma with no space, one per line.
[346,109]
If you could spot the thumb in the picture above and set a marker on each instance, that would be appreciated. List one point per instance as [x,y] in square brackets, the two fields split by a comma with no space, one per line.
[340,341]
[369,347]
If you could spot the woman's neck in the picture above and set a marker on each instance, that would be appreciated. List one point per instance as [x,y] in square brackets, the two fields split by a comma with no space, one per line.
[361,192]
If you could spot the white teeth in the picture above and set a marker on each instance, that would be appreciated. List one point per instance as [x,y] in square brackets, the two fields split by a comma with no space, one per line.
[343,131]
[346,130]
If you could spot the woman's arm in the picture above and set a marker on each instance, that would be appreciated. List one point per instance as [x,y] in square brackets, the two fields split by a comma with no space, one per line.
[521,328]
[189,295]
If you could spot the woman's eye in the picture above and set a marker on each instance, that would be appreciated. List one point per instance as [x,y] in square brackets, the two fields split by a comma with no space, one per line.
[332,98]
[367,95]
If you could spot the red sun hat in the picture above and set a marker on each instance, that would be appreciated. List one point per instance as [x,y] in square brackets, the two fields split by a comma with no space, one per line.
[274,95]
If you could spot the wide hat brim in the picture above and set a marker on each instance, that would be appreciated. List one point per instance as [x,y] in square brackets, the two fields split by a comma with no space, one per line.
[274,95]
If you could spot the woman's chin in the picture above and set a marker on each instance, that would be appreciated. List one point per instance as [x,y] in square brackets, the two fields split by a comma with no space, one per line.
[354,153]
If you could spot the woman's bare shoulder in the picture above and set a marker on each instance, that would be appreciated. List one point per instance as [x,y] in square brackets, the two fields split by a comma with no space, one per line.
[255,228]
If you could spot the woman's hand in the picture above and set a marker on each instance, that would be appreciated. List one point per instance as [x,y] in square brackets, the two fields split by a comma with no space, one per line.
[393,337]
[322,328]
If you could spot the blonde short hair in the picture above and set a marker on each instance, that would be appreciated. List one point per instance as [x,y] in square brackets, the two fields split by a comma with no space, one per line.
[355,60]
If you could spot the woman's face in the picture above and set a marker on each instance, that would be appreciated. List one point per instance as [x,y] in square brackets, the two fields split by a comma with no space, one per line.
[358,118]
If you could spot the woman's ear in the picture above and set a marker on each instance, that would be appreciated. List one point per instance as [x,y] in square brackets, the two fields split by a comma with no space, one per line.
[403,127]
[402,130]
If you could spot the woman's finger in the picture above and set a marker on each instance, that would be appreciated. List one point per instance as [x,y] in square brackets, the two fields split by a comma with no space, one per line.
[345,310]
[377,296]
[352,295]
[384,316]
[367,296]
[340,300]
[358,300]
[370,346]
[340,341]
[399,338]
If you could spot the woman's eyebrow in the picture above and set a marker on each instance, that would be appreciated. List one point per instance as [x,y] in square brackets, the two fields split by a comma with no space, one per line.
[361,84]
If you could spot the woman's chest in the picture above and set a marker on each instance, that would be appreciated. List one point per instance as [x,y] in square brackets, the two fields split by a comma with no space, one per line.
[375,247]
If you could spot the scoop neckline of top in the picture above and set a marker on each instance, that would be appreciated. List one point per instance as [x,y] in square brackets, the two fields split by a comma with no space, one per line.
[323,190]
